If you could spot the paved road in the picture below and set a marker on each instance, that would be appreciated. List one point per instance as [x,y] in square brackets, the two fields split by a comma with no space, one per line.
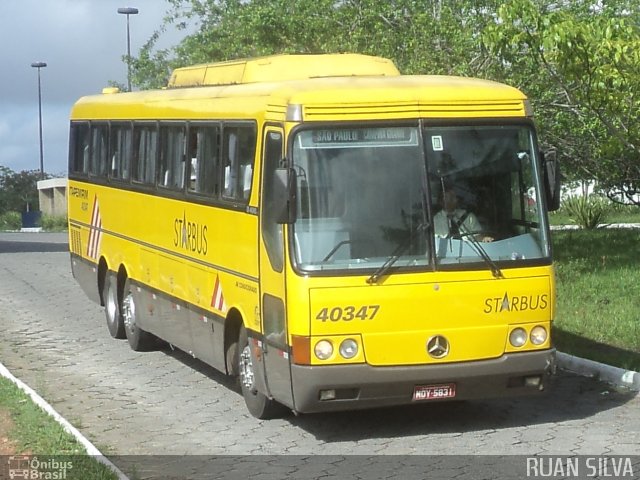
[165,403]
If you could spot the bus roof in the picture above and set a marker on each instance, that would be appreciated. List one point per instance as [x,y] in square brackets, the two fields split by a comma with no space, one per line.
[278,68]
[331,97]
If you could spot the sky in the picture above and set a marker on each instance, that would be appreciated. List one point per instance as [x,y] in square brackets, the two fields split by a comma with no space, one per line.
[82,42]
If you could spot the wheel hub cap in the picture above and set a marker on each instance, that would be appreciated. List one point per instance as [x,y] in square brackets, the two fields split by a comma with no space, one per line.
[128,312]
[246,369]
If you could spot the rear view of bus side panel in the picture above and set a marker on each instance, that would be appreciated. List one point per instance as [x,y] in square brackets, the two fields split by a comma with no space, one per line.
[83,239]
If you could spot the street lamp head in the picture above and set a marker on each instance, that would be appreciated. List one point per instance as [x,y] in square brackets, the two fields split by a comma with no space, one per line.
[128,11]
[38,64]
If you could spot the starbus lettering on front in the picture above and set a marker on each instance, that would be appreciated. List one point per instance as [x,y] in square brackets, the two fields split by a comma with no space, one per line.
[518,303]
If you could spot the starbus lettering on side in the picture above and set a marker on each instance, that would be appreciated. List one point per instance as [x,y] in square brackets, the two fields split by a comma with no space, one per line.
[190,236]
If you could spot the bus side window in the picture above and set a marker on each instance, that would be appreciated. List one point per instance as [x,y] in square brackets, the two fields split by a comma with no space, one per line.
[99,147]
[192,154]
[204,155]
[144,153]
[247,175]
[172,157]
[125,149]
[120,151]
[79,162]
[239,152]
[230,166]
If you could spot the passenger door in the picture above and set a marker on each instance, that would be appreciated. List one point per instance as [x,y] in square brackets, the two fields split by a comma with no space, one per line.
[275,350]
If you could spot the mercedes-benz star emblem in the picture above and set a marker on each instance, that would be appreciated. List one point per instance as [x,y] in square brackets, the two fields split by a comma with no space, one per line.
[438,346]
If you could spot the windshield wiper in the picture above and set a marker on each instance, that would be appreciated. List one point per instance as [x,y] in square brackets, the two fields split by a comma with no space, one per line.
[482,253]
[397,253]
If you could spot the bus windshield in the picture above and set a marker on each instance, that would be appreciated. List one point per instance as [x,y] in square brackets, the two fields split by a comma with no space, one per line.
[485,194]
[452,195]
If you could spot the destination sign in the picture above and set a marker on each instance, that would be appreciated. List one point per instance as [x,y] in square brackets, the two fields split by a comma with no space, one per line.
[359,137]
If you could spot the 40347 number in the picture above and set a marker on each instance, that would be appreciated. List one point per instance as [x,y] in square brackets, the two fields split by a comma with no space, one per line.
[348,313]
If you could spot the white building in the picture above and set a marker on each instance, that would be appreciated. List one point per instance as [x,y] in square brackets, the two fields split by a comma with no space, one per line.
[52,195]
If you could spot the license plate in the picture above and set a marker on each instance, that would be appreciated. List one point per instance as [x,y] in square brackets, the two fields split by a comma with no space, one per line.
[434,392]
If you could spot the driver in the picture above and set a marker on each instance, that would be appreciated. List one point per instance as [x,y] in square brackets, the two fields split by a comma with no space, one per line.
[452,221]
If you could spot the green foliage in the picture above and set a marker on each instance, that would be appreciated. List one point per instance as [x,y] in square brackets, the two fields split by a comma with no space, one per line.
[18,190]
[580,62]
[421,37]
[619,213]
[10,221]
[54,223]
[587,211]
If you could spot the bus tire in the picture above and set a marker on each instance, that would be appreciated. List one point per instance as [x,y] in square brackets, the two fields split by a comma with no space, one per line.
[112,310]
[139,340]
[258,404]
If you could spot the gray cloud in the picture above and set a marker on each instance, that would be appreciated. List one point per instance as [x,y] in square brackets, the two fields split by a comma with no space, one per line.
[82,42]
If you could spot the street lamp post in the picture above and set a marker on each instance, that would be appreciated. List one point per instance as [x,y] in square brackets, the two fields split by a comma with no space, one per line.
[40,65]
[128,11]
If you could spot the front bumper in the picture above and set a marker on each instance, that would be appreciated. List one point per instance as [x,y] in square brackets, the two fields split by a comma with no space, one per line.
[363,386]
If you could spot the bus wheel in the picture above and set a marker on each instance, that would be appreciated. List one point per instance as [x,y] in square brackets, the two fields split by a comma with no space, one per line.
[258,404]
[115,322]
[138,339]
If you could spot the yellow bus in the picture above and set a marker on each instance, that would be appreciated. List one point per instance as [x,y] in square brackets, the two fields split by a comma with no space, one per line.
[333,233]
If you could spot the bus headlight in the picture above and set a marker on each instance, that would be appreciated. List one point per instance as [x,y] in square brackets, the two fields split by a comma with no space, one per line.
[323,349]
[538,335]
[348,348]
[518,337]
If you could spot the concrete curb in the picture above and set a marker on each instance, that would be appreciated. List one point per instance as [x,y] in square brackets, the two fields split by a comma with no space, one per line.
[602,225]
[615,376]
[42,403]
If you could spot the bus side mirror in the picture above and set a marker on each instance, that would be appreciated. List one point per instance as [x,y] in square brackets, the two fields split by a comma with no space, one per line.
[284,195]
[551,171]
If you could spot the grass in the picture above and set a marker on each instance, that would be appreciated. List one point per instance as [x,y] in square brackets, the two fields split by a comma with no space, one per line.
[614,214]
[35,433]
[12,221]
[598,285]
[54,223]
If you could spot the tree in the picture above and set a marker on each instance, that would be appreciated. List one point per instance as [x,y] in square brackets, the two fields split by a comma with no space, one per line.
[578,60]
[231,29]
[18,191]
[435,36]
[581,61]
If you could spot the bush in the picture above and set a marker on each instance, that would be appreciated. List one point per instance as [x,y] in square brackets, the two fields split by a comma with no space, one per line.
[10,221]
[54,223]
[586,211]
[624,213]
